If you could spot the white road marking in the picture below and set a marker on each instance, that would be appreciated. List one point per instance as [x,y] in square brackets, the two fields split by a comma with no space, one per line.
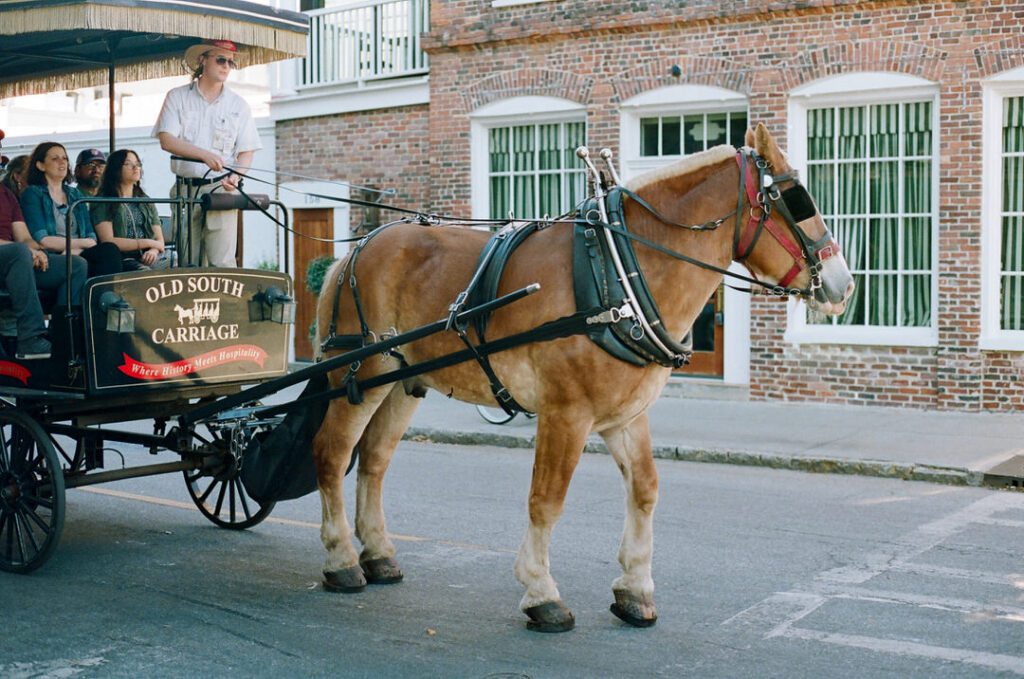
[996,661]
[780,613]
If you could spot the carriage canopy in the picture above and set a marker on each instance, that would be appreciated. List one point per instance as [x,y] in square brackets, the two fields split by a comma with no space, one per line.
[49,45]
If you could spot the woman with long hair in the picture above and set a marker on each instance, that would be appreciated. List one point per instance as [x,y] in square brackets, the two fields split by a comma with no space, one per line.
[133,227]
[46,204]
[16,176]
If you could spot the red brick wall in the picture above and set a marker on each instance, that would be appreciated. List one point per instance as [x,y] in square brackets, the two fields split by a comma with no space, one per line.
[601,53]
[385,148]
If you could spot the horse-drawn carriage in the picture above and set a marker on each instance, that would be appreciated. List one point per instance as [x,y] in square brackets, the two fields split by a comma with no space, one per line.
[579,319]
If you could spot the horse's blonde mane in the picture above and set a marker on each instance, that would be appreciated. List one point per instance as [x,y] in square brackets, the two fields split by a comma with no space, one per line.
[682,166]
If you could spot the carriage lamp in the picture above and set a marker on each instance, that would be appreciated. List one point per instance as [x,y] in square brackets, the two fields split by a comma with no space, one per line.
[120,314]
[272,304]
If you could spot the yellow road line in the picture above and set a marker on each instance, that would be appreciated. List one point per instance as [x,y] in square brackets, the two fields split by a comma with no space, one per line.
[163,502]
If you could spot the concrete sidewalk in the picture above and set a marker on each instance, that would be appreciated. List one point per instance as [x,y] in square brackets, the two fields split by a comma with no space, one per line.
[941,447]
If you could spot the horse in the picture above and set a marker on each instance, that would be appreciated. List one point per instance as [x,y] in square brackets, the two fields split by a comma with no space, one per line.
[407,277]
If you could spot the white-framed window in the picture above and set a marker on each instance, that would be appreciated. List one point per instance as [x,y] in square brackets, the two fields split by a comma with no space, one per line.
[524,157]
[668,123]
[660,126]
[1003,212]
[867,145]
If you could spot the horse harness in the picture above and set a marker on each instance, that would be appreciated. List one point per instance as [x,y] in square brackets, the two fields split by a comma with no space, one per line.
[614,304]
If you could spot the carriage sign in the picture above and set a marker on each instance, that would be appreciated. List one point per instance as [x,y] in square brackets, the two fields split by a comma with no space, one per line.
[190,327]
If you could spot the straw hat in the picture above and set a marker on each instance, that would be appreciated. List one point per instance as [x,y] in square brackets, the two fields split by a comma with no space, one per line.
[193,53]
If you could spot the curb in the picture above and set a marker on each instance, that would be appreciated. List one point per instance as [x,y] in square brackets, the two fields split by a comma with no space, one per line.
[951,476]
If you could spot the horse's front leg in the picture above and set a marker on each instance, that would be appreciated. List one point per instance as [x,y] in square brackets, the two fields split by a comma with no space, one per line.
[560,440]
[634,589]
[376,448]
[332,449]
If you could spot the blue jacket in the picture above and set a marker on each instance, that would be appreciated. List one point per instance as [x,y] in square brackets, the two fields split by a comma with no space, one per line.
[37,206]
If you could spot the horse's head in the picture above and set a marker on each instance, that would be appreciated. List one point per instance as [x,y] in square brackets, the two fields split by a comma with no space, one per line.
[802,254]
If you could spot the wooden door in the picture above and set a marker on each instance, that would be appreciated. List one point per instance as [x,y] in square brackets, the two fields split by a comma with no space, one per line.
[708,358]
[320,224]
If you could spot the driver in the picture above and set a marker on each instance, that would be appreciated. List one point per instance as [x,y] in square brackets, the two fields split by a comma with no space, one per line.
[205,120]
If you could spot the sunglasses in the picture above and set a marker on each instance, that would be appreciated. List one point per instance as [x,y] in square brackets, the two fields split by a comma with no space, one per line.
[225,60]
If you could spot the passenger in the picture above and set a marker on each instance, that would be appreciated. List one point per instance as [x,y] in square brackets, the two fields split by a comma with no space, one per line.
[19,256]
[16,176]
[45,204]
[133,227]
[88,168]
[205,120]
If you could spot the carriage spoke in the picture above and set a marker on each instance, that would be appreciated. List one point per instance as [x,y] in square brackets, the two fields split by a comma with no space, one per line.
[46,503]
[21,538]
[241,498]
[5,454]
[220,498]
[31,513]
[209,489]
[27,529]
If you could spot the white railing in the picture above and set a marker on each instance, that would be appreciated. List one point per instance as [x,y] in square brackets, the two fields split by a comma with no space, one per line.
[365,41]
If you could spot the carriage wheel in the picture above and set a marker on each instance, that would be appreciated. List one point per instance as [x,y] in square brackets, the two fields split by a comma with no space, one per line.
[218,492]
[31,494]
[495,415]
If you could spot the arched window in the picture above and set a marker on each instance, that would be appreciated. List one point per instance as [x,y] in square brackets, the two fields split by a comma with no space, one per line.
[1003,212]
[668,123]
[524,157]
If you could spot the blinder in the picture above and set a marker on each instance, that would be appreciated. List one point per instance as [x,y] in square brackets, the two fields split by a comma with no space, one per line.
[799,203]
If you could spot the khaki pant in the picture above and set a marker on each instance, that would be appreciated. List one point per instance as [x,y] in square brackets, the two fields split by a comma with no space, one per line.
[213,237]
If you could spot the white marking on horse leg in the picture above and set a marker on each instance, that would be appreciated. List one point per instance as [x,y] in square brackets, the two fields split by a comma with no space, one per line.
[332,450]
[376,448]
[560,439]
[533,568]
[630,446]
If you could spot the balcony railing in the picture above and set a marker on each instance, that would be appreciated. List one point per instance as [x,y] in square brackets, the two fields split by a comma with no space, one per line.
[371,40]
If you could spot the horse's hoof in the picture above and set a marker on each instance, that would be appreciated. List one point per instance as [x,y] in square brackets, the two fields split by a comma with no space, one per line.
[384,571]
[634,610]
[348,580]
[553,616]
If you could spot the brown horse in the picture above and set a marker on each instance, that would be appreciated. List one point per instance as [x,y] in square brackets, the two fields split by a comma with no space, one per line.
[409,274]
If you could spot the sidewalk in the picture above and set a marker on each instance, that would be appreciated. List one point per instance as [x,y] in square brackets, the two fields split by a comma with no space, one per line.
[940,447]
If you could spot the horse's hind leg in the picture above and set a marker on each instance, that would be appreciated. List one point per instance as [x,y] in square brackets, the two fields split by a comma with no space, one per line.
[634,589]
[332,449]
[376,448]
[560,440]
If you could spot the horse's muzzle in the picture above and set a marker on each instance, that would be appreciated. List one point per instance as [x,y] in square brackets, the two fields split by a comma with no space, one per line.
[836,287]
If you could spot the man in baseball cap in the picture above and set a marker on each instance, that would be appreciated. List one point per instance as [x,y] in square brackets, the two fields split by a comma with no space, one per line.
[88,169]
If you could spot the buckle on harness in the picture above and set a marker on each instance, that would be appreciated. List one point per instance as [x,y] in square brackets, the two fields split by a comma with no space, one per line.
[613,315]
[454,308]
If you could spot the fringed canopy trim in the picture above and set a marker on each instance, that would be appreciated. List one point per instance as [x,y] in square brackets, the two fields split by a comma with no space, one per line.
[259,42]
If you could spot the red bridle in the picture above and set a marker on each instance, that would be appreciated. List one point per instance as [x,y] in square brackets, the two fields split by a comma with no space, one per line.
[762,199]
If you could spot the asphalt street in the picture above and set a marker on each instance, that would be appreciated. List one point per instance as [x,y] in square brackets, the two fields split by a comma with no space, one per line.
[759,573]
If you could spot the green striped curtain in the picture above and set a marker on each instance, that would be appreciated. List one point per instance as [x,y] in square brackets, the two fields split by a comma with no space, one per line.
[869,170]
[533,169]
[1012,214]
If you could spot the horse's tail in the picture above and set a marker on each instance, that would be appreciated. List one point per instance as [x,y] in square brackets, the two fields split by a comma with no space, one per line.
[325,302]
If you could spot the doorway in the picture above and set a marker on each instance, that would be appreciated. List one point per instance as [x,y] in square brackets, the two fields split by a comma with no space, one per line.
[708,358]
[318,223]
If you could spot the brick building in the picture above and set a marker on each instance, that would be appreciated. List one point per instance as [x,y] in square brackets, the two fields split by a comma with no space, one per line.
[906,120]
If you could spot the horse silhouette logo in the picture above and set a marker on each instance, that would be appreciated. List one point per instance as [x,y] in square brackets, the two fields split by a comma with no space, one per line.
[201,310]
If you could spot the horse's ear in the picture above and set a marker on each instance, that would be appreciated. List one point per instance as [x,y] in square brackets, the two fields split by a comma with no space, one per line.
[748,141]
[766,147]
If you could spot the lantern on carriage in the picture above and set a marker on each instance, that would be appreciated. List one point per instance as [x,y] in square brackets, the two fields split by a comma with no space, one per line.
[272,304]
[120,314]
